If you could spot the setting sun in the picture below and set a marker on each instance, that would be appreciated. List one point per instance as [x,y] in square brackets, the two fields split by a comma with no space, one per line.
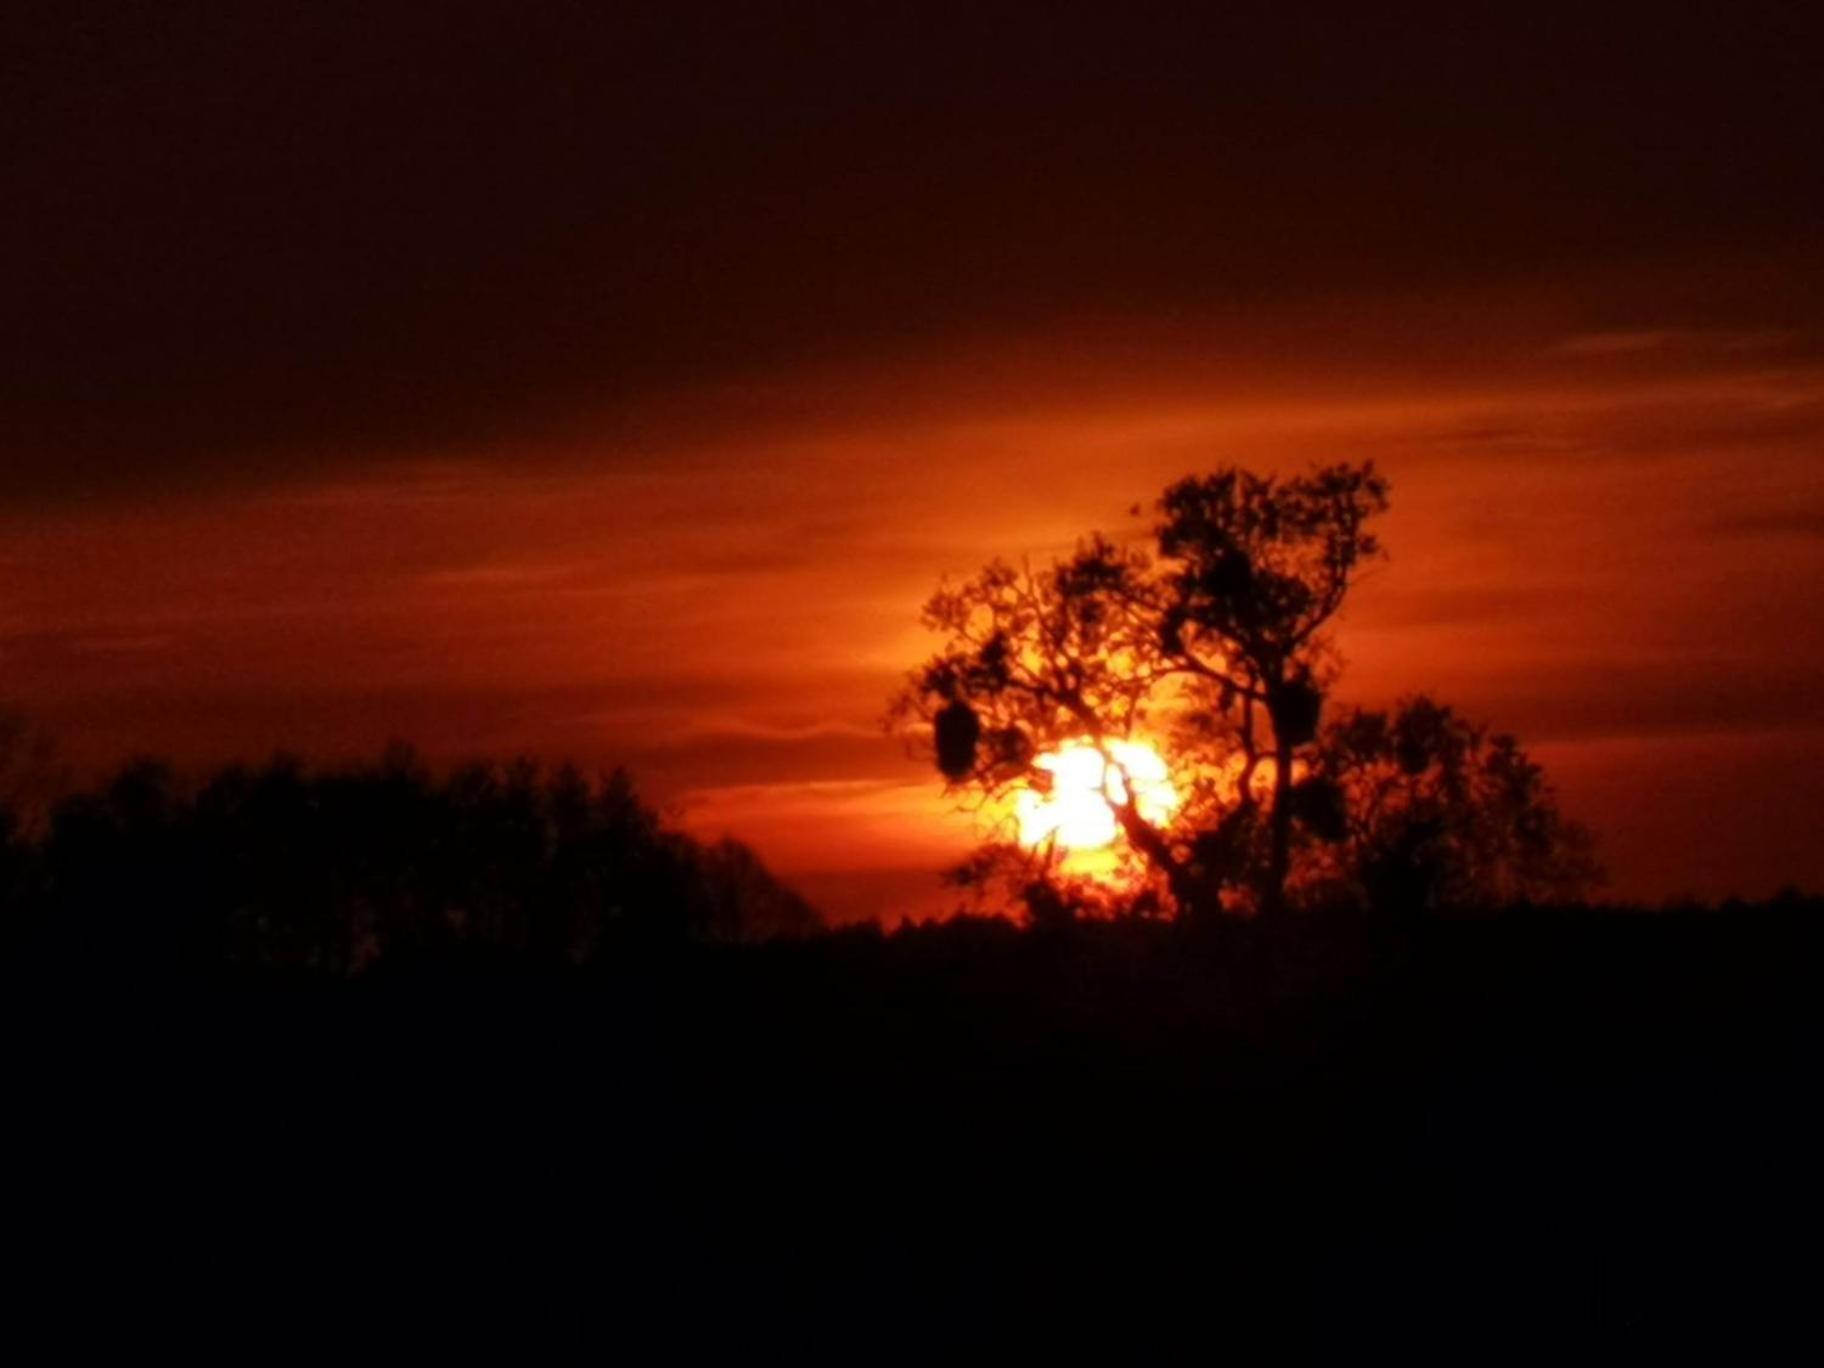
[1076,808]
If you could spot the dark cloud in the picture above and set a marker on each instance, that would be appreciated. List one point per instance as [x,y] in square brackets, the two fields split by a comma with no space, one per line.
[1795,522]
[244,241]
[1436,605]
[1602,700]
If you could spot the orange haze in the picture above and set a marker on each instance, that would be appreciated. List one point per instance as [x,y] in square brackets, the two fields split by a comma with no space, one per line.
[1607,535]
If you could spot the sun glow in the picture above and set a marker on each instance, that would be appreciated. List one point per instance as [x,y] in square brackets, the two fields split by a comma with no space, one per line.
[1074,804]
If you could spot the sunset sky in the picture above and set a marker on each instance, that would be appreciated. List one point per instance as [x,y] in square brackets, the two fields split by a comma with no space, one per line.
[615,382]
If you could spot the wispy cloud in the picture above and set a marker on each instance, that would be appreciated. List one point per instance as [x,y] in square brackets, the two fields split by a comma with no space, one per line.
[1633,342]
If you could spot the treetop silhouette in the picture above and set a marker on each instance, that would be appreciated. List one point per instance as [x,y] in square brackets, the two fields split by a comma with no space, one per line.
[1215,647]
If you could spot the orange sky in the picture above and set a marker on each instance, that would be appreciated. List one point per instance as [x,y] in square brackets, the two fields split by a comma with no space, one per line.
[616,381]
[1606,540]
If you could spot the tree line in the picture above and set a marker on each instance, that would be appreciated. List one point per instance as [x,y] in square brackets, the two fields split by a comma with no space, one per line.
[335,870]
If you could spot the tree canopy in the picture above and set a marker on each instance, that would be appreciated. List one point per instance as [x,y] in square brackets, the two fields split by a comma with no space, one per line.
[1213,645]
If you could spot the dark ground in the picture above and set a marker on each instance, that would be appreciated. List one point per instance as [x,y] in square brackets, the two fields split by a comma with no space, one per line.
[1550,1133]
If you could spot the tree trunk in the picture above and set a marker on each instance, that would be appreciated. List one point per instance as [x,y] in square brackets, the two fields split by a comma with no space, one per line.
[1192,900]
[1280,860]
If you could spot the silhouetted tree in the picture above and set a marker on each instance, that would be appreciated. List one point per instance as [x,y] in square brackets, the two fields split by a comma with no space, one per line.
[31,776]
[735,898]
[1258,568]
[1421,808]
[1216,646]
[1033,661]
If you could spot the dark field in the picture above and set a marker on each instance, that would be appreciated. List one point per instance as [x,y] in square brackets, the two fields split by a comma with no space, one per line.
[1548,1132]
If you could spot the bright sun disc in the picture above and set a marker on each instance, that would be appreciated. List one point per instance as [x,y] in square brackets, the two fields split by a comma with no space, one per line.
[1078,811]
